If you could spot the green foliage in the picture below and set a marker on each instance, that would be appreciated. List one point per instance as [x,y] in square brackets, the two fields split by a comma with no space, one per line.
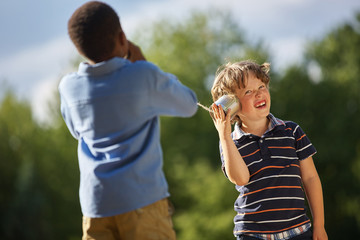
[203,200]
[338,53]
[39,174]
[329,112]
[39,177]
[193,50]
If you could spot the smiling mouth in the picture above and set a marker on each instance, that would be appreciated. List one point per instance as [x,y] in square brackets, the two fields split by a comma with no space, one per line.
[260,104]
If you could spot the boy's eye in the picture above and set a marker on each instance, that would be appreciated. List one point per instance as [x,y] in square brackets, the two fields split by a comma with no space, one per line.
[247,92]
[262,86]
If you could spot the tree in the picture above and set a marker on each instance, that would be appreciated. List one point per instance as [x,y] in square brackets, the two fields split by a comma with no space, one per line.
[39,177]
[328,110]
[337,55]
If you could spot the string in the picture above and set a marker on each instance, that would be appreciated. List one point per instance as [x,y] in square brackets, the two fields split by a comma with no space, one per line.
[205,108]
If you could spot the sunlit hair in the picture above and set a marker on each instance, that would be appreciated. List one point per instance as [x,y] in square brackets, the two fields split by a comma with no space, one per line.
[232,76]
[93,29]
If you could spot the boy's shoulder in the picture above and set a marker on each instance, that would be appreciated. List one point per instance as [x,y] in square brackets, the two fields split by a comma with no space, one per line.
[291,124]
[286,125]
[142,64]
[141,68]
[68,78]
[294,128]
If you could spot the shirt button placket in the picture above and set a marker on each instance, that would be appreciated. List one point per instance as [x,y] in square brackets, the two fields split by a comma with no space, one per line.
[263,148]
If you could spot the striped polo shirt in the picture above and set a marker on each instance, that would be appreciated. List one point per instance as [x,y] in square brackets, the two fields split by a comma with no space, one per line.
[273,201]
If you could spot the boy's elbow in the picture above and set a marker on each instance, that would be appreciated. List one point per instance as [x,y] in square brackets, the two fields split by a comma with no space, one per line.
[240,181]
[190,110]
[239,177]
[194,106]
[193,110]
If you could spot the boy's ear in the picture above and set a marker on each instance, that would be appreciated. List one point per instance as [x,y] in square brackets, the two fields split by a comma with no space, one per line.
[123,45]
[122,38]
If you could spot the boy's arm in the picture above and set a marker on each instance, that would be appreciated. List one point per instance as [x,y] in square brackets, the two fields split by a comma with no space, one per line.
[313,190]
[235,167]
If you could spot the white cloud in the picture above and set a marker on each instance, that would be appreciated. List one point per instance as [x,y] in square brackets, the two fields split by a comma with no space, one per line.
[41,95]
[34,73]
[288,51]
[27,68]
[283,25]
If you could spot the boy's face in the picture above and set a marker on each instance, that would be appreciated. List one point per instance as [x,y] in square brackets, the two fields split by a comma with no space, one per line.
[254,100]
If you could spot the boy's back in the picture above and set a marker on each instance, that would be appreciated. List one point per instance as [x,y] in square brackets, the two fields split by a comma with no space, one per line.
[113,109]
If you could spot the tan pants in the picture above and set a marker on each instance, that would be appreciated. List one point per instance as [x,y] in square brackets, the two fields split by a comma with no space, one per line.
[152,222]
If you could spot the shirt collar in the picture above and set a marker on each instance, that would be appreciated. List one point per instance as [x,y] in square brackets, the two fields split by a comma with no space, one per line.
[101,68]
[238,132]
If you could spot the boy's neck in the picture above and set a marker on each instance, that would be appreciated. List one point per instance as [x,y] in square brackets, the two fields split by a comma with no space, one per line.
[257,128]
[91,62]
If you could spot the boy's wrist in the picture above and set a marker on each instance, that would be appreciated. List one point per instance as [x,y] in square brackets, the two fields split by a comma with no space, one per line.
[225,137]
[318,224]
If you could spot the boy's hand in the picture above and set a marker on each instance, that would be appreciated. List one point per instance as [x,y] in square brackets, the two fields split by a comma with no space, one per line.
[134,53]
[221,121]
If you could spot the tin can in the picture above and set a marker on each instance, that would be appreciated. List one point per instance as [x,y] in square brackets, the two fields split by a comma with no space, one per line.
[229,102]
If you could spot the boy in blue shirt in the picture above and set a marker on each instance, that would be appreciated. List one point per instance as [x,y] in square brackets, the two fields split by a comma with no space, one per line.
[269,160]
[112,105]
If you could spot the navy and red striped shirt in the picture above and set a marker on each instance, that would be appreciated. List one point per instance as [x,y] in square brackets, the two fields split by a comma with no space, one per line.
[273,201]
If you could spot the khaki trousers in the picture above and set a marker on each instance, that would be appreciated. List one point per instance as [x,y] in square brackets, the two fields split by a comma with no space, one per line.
[152,222]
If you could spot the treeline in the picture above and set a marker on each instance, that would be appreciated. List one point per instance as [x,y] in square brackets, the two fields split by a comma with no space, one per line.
[39,174]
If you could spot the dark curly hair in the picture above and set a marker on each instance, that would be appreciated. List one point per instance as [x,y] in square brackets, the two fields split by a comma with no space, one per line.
[93,28]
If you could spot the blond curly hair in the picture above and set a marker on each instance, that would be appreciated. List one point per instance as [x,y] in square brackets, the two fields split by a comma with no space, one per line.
[232,76]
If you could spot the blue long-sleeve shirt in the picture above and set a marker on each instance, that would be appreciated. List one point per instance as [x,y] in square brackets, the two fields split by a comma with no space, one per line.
[113,109]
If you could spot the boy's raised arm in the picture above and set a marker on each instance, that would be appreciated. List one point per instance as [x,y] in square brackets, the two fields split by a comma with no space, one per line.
[235,167]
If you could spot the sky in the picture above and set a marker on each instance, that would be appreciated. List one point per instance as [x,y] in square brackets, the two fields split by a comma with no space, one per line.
[35,50]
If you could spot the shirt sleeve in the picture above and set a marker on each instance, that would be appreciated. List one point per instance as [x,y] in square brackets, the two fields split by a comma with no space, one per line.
[304,148]
[64,108]
[169,96]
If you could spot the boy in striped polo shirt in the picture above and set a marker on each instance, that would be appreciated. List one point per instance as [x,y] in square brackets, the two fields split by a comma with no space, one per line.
[268,159]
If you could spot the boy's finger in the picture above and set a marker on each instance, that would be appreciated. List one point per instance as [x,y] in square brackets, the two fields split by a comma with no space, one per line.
[228,114]
[213,106]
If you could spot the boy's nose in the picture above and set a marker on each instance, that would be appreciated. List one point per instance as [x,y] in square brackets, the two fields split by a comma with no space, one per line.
[258,93]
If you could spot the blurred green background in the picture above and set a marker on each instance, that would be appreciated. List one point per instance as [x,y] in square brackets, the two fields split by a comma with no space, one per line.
[39,175]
